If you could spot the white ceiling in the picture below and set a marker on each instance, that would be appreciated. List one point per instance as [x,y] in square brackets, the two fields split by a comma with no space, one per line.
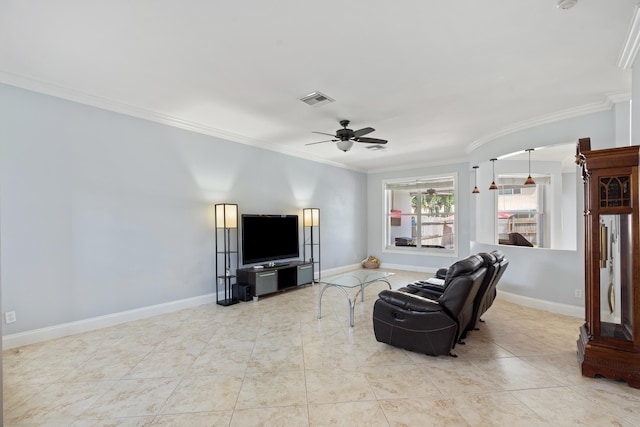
[432,77]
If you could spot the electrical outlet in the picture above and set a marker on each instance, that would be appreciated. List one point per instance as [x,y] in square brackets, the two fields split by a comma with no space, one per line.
[10,316]
[578,293]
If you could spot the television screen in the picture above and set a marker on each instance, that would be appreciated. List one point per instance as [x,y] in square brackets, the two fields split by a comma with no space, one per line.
[269,238]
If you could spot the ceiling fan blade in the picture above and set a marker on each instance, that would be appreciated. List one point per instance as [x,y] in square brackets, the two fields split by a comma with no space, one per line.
[320,142]
[371,140]
[362,132]
[324,133]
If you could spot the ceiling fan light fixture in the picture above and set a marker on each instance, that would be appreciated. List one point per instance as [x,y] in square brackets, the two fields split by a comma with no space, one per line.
[345,137]
[345,145]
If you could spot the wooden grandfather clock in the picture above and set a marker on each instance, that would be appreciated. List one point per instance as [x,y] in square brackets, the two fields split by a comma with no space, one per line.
[609,342]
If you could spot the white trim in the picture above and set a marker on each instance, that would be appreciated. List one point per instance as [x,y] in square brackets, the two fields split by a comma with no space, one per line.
[553,307]
[340,270]
[86,325]
[570,113]
[427,270]
[631,43]
[420,165]
[65,329]
[450,253]
[153,116]
[383,266]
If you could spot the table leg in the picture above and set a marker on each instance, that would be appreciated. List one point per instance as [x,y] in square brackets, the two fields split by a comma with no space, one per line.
[352,303]
[324,288]
[361,291]
[352,307]
[346,294]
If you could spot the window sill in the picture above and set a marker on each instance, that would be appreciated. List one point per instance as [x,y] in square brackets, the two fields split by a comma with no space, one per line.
[412,250]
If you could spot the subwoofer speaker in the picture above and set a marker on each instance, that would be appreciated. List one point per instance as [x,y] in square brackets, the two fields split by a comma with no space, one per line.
[242,292]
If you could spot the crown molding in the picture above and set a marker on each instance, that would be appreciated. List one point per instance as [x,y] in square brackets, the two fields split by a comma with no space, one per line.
[120,107]
[631,43]
[617,97]
[141,113]
[421,165]
[57,91]
[582,110]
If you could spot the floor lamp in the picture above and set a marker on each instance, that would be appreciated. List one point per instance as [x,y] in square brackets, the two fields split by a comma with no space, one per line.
[226,220]
[311,220]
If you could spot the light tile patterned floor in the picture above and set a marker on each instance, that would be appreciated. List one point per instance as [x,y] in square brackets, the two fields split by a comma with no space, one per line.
[273,363]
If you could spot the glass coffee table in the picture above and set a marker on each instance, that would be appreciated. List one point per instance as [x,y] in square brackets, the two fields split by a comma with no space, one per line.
[354,279]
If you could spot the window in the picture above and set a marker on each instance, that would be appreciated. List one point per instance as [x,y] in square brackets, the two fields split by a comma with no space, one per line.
[543,215]
[420,213]
[521,210]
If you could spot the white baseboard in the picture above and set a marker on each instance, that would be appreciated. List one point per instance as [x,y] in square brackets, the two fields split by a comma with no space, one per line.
[384,265]
[65,329]
[553,307]
[340,270]
[428,270]
[550,306]
[86,325]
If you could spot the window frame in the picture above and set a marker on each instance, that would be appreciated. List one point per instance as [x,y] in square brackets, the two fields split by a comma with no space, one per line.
[386,217]
[540,214]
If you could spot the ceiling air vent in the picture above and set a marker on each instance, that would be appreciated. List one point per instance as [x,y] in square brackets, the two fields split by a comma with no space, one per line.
[376,147]
[566,4]
[316,99]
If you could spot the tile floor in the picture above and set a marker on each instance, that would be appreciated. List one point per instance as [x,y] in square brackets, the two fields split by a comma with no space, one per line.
[273,363]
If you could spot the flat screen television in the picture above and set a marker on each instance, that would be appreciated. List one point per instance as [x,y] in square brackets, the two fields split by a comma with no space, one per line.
[268,238]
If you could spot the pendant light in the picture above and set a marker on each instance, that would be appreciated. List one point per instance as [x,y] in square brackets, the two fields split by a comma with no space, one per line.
[493,185]
[475,180]
[529,180]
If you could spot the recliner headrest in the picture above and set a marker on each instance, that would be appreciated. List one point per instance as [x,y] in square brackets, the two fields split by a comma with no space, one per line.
[498,254]
[464,266]
[488,259]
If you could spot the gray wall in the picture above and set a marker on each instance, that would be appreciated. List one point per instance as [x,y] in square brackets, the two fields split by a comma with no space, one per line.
[103,213]
[545,274]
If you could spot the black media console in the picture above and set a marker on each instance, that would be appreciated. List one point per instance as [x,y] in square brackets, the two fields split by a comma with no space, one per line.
[268,280]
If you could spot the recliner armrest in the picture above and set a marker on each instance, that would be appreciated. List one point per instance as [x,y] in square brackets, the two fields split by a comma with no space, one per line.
[409,301]
[428,291]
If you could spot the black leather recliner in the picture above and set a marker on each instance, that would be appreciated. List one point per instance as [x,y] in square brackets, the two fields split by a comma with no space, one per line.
[496,264]
[490,294]
[414,320]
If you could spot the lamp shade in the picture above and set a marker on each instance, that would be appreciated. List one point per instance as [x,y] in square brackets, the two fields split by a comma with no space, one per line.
[493,185]
[475,180]
[529,180]
[311,217]
[227,216]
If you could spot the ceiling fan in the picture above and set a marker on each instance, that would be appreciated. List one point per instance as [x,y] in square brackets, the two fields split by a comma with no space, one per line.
[345,137]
